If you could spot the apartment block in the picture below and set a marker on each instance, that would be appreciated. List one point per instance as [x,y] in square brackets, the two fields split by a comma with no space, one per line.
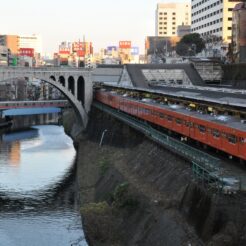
[171,15]
[213,18]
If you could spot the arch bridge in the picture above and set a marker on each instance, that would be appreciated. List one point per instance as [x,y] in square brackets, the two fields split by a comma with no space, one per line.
[75,84]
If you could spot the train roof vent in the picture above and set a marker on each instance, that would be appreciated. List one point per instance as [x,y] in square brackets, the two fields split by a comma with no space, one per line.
[223,118]
[175,106]
[146,100]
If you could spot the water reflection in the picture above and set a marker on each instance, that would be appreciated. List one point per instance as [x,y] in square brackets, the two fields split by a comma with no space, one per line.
[37,189]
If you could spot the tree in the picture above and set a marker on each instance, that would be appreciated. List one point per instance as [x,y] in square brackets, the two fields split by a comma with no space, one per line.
[190,44]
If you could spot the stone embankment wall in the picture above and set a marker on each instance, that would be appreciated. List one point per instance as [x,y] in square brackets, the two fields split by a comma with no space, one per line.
[134,192]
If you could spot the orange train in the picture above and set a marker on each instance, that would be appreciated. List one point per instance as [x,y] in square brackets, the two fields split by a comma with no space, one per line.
[224,133]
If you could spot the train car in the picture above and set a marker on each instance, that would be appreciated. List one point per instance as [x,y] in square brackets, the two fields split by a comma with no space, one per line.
[221,132]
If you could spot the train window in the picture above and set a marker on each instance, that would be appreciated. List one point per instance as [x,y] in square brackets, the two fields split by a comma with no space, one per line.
[155,113]
[162,115]
[232,139]
[242,140]
[216,133]
[179,121]
[202,128]
[169,118]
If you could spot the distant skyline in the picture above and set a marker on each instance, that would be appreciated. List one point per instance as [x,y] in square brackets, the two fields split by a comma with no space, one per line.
[103,22]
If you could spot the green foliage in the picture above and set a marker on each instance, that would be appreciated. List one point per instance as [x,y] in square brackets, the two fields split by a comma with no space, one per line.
[122,198]
[190,44]
[95,208]
[104,165]
[120,191]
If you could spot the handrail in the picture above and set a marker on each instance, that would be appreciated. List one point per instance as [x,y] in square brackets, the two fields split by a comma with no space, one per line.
[204,166]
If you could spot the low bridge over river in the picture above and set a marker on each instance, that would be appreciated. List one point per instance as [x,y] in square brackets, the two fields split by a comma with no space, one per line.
[75,84]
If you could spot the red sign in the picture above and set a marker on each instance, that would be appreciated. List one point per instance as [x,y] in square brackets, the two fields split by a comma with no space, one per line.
[80,53]
[64,52]
[125,44]
[26,52]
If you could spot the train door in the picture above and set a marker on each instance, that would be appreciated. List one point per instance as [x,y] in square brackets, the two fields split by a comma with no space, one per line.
[242,146]
[186,127]
[231,144]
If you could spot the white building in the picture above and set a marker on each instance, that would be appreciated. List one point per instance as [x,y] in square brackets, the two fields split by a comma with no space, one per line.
[212,18]
[32,41]
[171,15]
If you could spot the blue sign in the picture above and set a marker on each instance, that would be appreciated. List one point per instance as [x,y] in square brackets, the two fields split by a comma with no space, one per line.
[135,51]
[111,48]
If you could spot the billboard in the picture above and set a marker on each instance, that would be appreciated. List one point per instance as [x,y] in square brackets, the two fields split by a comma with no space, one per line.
[111,48]
[135,51]
[125,44]
[26,52]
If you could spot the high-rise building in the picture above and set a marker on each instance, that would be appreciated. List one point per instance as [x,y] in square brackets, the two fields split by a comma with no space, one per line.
[238,44]
[32,42]
[213,18]
[171,15]
[11,42]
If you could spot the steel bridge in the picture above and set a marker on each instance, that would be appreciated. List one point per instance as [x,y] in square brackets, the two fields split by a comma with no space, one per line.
[75,84]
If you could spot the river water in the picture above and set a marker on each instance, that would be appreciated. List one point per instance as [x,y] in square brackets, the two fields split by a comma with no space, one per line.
[38,205]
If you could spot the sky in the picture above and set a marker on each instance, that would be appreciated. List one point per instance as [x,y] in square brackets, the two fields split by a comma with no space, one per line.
[103,22]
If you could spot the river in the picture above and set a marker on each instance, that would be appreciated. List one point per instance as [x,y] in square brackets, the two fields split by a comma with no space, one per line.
[38,204]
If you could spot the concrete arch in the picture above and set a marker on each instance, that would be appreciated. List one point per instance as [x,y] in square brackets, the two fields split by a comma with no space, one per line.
[61,75]
[81,90]
[79,109]
[62,80]
[71,84]
[53,77]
